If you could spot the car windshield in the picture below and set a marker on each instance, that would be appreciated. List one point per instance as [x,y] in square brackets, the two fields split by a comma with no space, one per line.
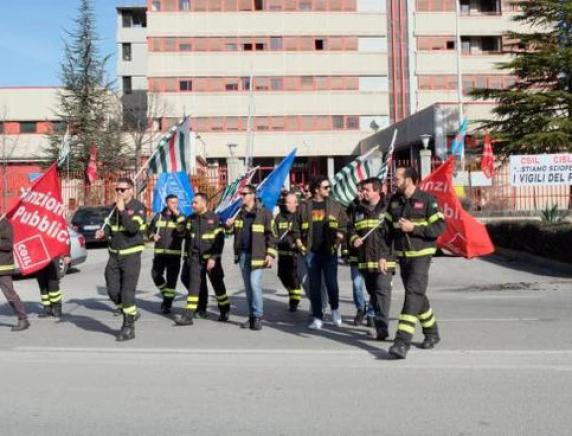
[90,215]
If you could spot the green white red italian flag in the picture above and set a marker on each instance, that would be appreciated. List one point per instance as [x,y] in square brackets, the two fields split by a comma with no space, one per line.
[174,150]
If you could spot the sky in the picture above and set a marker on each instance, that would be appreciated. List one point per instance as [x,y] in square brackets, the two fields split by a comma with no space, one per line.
[32,33]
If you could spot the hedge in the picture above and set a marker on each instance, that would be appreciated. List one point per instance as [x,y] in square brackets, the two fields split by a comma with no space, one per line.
[548,240]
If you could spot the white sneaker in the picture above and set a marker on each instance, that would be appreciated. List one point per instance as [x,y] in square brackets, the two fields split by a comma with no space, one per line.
[316,324]
[336,318]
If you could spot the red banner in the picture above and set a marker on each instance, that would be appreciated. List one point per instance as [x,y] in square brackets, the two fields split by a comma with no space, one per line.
[464,235]
[40,228]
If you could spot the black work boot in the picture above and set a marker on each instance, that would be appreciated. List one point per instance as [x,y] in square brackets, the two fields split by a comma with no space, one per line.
[370,321]
[256,324]
[224,315]
[57,310]
[22,324]
[46,313]
[399,349]
[166,306]
[431,339]
[248,323]
[293,306]
[127,331]
[381,332]
[185,319]
[202,314]
[358,319]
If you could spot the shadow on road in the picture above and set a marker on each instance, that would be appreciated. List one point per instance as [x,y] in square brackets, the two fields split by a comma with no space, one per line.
[528,267]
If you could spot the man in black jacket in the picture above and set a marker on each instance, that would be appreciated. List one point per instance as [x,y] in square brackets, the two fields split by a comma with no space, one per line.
[204,242]
[167,229]
[7,268]
[124,231]
[413,222]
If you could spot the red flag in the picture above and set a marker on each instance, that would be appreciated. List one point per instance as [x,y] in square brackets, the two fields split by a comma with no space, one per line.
[40,228]
[91,170]
[464,235]
[488,159]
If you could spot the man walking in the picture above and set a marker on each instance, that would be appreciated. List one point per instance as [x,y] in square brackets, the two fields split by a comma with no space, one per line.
[167,229]
[204,242]
[124,232]
[413,222]
[254,250]
[369,237]
[322,228]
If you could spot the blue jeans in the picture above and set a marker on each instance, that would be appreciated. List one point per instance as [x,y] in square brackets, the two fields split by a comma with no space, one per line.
[358,289]
[252,286]
[327,265]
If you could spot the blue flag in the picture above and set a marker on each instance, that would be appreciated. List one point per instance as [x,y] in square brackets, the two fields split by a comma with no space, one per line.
[269,190]
[177,184]
[458,144]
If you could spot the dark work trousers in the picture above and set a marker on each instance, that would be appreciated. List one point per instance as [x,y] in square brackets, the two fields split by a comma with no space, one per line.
[415,276]
[49,283]
[195,278]
[12,297]
[121,277]
[327,266]
[379,289]
[288,275]
[171,264]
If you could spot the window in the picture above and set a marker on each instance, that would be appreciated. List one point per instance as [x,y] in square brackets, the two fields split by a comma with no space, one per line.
[231,87]
[307,82]
[126,51]
[274,5]
[184,5]
[247,46]
[276,83]
[490,44]
[170,44]
[244,5]
[305,5]
[127,88]
[185,85]
[156,5]
[261,84]
[28,127]
[246,83]
[126,19]
[258,5]
[230,46]
[352,122]
[450,45]
[259,46]
[185,47]
[139,19]
[319,44]
[1,127]
[275,43]
[58,126]
[338,121]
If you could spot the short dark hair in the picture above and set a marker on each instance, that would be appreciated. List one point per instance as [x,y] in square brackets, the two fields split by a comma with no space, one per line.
[411,173]
[202,195]
[317,182]
[374,182]
[126,180]
[168,197]
[250,187]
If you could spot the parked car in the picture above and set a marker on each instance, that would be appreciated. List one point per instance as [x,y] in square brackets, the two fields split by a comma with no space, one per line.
[78,253]
[87,220]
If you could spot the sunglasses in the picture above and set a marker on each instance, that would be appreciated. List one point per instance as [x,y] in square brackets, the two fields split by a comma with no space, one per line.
[122,190]
[244,194]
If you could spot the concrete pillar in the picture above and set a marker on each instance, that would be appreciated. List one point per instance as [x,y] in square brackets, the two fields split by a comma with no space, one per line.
[330,167]
[425,159]
[234,168]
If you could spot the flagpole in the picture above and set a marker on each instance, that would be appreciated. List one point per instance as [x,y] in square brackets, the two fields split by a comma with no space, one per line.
[459,72]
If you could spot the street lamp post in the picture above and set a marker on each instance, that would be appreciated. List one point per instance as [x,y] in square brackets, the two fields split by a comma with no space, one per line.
[425,155]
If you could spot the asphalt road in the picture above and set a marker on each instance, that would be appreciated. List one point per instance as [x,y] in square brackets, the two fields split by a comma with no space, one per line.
[504,366]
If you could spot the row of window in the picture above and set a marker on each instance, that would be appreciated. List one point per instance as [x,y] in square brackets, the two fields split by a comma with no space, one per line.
[269,83]
[286,123]
[470,82]
[27,127]
[278,43]
[470,45]
[468,7]
[252,5]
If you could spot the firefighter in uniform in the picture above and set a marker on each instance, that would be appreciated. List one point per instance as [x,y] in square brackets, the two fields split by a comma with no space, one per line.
[7,268]
[49,283]
[124,231]
[286,229]
[414,222]
[368,217]
[254,250]
[167,229]
[204,242]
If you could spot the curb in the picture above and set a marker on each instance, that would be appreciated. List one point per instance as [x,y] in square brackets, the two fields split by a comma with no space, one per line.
[543,262]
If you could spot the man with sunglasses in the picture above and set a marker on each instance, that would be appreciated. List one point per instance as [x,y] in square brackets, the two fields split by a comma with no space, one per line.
[323,225]
[124,231]
[254,250]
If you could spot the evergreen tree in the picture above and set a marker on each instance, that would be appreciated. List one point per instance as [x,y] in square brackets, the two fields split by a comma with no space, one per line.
[535,114]
[86,101]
